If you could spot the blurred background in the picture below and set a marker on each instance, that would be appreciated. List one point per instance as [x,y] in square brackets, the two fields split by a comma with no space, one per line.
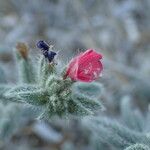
[119,29]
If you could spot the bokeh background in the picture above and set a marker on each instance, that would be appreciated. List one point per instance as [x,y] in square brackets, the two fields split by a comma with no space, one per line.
[119,29]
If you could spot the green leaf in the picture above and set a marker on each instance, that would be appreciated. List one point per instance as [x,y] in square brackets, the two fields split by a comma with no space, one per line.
[26,70]
[86,95]
[51,79]
[87,89]
[77,109]
[28,93]
[88,102]
[45,70]
[22,88]
[36,97]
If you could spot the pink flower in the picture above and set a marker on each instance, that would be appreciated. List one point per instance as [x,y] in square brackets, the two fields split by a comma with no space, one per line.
[85,67]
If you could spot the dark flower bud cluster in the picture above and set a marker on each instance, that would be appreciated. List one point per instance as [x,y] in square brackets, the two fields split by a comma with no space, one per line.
[45,50]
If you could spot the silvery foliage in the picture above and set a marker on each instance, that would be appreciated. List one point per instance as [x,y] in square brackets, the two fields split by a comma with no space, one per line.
[39,85]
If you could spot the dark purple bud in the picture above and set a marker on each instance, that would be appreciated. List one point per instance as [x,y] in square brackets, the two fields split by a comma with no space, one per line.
[45,50]
[43,45]
[51,55]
